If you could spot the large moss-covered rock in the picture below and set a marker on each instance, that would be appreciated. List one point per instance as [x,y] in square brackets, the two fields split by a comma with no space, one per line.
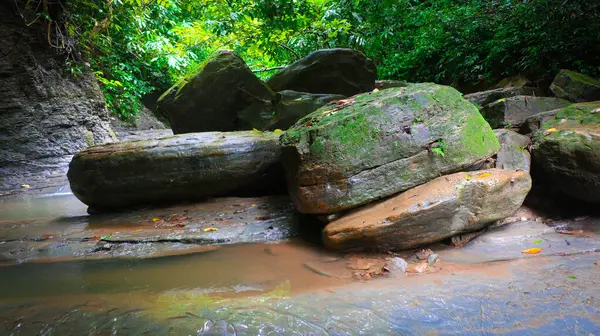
[575,87]
[289,107]
[512,112]
[177,168]
[440,209]
[381,143]
[211,98]
[514,152]
[566,151]
[486,97]
[339,71]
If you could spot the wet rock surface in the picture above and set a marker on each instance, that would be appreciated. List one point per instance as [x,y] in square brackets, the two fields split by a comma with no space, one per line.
[575,87]
[210,99]
[512,112]
[333,71]
[182,229]
[177,168]
[565,151]
[381,143]
[514,150]
[434,211]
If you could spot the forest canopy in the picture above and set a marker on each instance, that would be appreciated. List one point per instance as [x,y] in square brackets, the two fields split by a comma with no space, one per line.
[138,47]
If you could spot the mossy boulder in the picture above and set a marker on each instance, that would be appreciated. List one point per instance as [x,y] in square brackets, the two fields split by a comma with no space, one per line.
[381,143]
[442,208]
[575,87]
[288,108]
[212,96]
[512,112]
[177,168]
[486,97]
[566,151]
[514,150]
[337,71]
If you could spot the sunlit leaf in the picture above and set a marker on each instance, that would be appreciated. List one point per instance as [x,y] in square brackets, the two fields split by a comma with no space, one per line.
[534,250]
[211,229]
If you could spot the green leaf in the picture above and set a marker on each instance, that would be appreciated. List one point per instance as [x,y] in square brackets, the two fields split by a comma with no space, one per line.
[538,241]
[572,277]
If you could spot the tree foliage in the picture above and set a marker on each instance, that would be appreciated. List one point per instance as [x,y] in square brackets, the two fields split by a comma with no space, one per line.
[140,46]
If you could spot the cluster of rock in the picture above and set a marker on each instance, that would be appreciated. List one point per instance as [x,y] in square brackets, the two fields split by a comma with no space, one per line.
[396,164]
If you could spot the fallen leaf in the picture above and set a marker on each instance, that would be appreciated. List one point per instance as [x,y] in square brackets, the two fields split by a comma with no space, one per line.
[538,241]
[550,130]
[253,205]
[277,131]
[468,177]
[25,186]
[155,219]
[138,230]
[571,232]
[484,175]
[210,229]
[106,237]
[256,131]
[572,277]
[96,238]
[534,250]
[48,236]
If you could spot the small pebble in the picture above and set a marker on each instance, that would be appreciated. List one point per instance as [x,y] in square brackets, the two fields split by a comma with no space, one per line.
[432,259]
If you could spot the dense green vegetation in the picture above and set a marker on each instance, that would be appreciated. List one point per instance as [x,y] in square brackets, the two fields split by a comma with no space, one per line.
[140,46]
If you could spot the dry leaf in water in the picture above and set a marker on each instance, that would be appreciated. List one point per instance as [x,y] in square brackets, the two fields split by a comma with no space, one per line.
[210,229]
[534,250]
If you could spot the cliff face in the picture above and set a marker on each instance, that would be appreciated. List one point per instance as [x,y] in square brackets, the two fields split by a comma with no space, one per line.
[46,115]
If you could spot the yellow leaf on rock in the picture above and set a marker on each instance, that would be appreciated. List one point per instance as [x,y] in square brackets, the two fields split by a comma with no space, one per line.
[256,131]
[210,229]
[155,219]
[25,186]
[468,177]
[485,175]
[534,250]
[551,130]
[277,131]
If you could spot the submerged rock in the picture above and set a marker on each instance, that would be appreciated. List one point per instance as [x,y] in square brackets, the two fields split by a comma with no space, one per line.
[512,112]
[486,97]
[177,168]
[210,99]
[289,107]
[575,87]
[514,152]
[437,210]
[381,143]
[338,71]
[566,151]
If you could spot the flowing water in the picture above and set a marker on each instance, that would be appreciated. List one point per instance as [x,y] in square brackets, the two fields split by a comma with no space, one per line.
[289,288]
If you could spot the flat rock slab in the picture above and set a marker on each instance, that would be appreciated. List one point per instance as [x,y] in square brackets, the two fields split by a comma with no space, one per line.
[566,151]
[508,242]
[512,112]
[176,168]
[182,229]
[437,210]
[377,144]
[486,97]
[333,71]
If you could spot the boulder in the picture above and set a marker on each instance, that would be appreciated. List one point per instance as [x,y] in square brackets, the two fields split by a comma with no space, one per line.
[566,151]
[486,97]
[514,81]
[447,206]
[289,107]
[382,84]
[381,143]
[575,87]
[512,112]
[533,123]
[144,120]
[514,152]
[177,168]
[210,98]
[338,71]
